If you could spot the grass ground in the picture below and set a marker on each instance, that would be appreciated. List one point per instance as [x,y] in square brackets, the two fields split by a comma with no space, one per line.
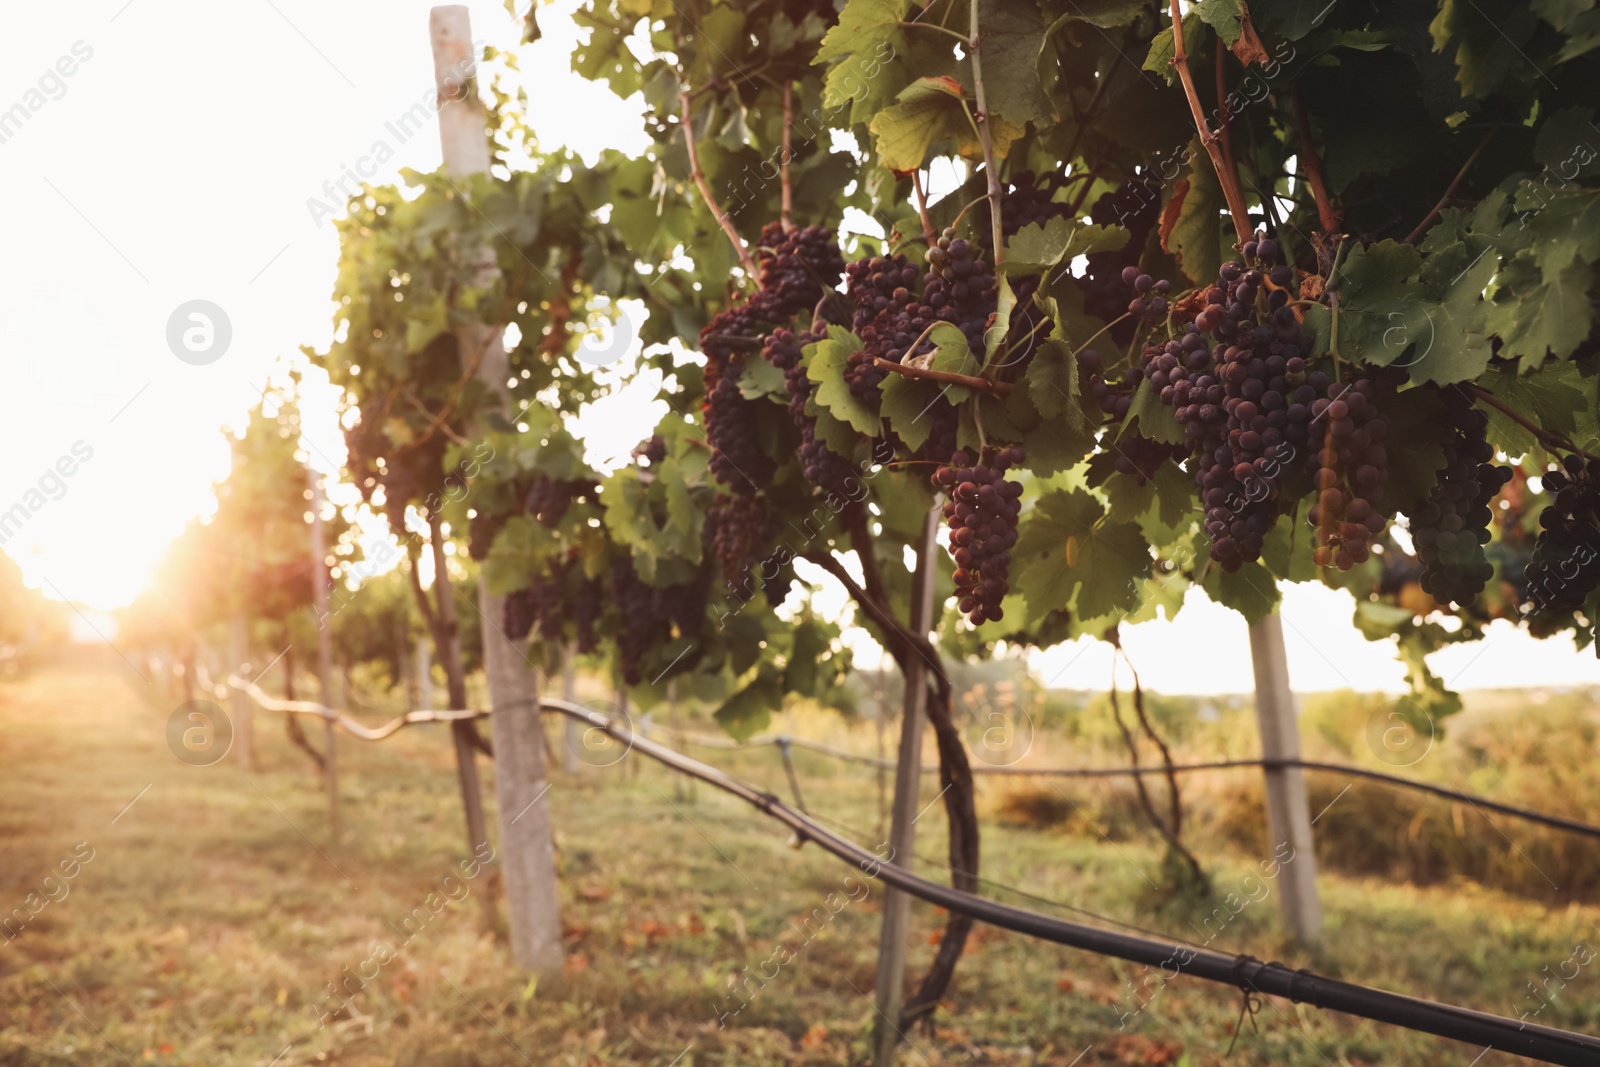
[212,913]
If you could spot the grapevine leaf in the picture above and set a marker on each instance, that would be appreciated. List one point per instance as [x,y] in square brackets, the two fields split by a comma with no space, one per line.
[760,379]
[1196,237]
[1222,16]
[951,354]
[826,369]
[748,711]
[931,110]
[835,433]
[1535,312]
[995,334]
[1067,554]
[1251,590]
[1162,53]
[867,37]
[1155,420]
[1292,19]
[1054,449]
[905,405]
[1009,35]
[1554,399]
[1102,14]
[1459,350]
[1564,144]
[1035,249]
[1052,378]
[1564,225]
[800,674]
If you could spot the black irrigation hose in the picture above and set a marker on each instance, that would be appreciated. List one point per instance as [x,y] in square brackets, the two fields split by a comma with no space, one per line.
[1553,821]
[1246,973]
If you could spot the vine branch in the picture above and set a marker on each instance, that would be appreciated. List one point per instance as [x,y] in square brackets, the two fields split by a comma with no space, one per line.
[1450,191]
[1551,440]
[948,377]
[974,46]
[708,196]
[787,211]
[1227,176]
[1327,215]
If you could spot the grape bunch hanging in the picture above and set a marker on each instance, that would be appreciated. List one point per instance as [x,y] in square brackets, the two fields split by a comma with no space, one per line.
[981,511]
[1451,528]
[1565,568]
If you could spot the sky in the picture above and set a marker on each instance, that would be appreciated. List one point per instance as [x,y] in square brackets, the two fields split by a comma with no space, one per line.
[163,152]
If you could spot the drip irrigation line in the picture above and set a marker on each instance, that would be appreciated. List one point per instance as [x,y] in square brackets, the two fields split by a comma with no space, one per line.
[378,733]
[1246,973]
[1243,972]
[1554,821]
[1003,887]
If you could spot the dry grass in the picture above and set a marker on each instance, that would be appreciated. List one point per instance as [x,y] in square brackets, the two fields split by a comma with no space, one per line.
[215,910]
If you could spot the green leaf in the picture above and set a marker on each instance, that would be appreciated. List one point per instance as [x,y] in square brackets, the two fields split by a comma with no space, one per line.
[1162,53]
[748,711]
[1535,313]
[1010,35]
[1035,249]
[1251,590]
[826,369]
[995,334]
[1052,379]
[1222,16]
[951,354]
[1068,555]
[1196,239]
[932,110]
[1101,14]
[1555,399]
[905,406]
[864,26]
[1155,420]
[760,379]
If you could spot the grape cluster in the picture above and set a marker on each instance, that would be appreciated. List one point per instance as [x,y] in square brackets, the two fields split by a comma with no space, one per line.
[1565,567]
[560,595]
[1114,398]
[889,319]
[549,498]
[795,269]
[1350,472]
[741,527]
[1133,207]
[1150,296]
[649,616]
[1451,527]
[733,430]
[960,287]
[1239,385]
[1140,458]
[653,451]
[822,466]
[981,512]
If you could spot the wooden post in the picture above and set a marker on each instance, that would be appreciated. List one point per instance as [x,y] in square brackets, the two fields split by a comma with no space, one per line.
[890,994]
[880,723]
[1288,812]
[319,586]
[424,674]
[238,652]
[569,693]
[527,839]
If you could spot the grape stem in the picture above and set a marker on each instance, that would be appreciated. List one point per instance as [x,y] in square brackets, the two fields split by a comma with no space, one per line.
[787,211]
[708,196]
[1551,440]
[984,138]
[1228,177]
[1450,190]
[1326,214]
[922,206]
[948,377]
